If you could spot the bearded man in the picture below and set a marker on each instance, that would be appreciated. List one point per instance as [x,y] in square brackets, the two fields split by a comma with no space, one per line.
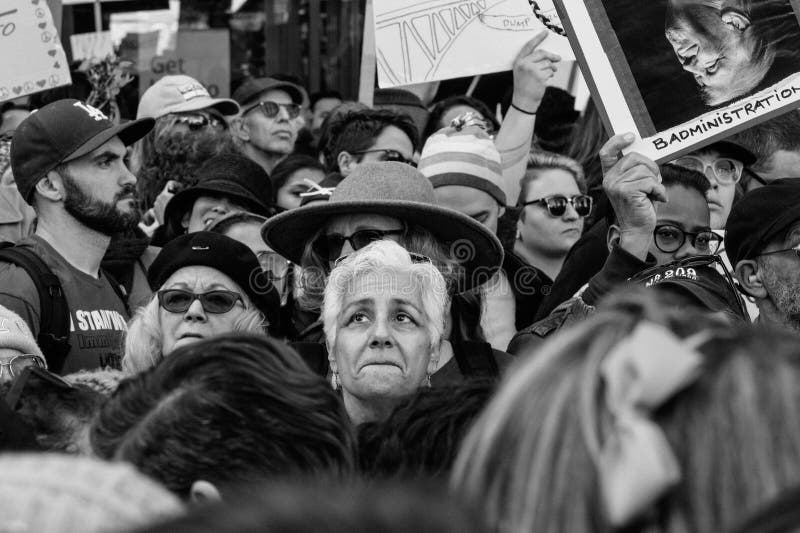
[69,163]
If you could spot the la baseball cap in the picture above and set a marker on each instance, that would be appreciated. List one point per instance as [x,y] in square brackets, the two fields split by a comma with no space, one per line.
[180,94]
[60,132]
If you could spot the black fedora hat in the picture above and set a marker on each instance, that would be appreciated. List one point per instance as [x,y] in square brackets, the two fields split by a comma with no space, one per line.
[232,176]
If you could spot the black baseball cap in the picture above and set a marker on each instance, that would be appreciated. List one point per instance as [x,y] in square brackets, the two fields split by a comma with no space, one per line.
[760,216]
[701,283]
[250,89]
[231,176]
[60,132]
[229,256]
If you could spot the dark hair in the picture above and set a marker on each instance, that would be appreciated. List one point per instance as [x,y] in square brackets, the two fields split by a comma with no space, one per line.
[442,107]
[57,415]
[764,139]
[422,435]
[321,95]
[672,176]
[357,130]
[317,508]
[588,137]
[286,169]
[229,409]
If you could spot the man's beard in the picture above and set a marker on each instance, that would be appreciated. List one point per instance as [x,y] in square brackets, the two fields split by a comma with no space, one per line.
[98,216]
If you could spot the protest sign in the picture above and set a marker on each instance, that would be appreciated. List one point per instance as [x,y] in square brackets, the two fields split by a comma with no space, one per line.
[32,59]
[681,74]
[91,45]
[441,39]
[201,54]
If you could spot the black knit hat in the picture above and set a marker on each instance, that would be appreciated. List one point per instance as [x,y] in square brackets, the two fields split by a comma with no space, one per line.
[232,176]
[237,261]
[761,216]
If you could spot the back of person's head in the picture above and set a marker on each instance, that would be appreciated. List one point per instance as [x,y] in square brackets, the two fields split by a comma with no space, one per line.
[286,169]
[767,138]
[422,435]
[357,130]
[230,409]
[326,508]
[59,493]
[641,417]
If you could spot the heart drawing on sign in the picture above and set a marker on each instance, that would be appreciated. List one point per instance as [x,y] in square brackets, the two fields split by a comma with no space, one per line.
[52,53]
[42,25]
[35,2]
[41,83]
[56,65]
[17,89]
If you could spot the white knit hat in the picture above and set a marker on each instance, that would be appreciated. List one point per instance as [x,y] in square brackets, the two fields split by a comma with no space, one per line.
[463,154]
[54,493]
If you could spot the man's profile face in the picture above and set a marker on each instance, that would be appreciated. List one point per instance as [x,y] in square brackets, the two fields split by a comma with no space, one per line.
[272,135]
[780,274]
[717,47]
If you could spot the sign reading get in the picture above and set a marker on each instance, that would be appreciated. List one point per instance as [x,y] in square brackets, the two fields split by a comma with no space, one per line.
[202,54]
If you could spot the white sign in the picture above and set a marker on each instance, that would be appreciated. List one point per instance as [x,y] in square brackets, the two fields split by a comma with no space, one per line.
[202,54]
[442,39]
[95,45]
[32,57]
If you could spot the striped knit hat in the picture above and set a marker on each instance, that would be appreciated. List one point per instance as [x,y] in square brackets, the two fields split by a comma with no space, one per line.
[463,154]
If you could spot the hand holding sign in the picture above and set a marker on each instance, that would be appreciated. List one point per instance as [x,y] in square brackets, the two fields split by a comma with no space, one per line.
[32,59]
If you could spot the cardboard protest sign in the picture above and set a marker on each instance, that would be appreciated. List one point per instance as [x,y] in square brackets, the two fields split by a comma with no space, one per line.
[441,39]
[201,54]
[32,58]
[682,74]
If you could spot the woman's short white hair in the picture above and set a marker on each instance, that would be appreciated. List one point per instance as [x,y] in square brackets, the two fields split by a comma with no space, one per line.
[143,341]
[387,257]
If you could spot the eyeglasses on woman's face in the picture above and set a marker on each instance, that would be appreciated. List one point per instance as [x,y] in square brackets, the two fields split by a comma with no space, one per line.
[557,204]
[214,302]
[330,246]
[198,121]
[727,171]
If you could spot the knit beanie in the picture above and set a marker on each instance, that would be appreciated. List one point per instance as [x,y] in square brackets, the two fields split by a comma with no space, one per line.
[16,335]
[463,154]
[64,494]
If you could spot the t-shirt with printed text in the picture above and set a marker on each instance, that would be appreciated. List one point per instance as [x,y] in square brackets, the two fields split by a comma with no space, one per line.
[98,319]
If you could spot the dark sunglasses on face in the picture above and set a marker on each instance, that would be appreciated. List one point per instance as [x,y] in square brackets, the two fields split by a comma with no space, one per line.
[389,155]
[557,205]
[669,238]
[330,246]
[215,302]
[198,121]
[20,362]
[271,109]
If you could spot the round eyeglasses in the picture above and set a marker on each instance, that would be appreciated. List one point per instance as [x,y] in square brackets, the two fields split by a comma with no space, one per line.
[669,238]
[727,171]
[18,363]
[271,109]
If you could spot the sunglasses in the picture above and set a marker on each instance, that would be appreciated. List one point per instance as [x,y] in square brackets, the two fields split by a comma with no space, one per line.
[795,249]
[275,265]
[271,109]
[20,362]
[214,302]
[727,171]
[557,205]
[415,259]
[197,121]
[330,246]
[675,267]
[669,238]
[389,155]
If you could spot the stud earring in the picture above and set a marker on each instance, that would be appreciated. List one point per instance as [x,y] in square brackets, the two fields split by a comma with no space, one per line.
[335,381]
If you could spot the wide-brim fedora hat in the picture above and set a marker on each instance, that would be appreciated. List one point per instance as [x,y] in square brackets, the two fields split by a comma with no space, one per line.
[396,190]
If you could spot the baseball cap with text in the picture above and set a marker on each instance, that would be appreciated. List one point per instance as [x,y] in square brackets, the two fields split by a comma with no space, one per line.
[60,132]
[180,94]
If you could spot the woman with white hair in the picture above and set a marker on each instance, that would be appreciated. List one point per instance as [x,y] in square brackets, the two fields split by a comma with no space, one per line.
[383,314]
[208,284]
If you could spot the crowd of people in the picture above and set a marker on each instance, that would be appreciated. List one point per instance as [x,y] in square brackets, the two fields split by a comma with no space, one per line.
[287,312]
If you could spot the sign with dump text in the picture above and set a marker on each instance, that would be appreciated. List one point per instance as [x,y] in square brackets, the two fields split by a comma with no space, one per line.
[32,58]
[417,42]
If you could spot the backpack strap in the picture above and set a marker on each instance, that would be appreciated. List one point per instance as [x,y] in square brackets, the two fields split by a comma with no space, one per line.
[119,289]
[53,336]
